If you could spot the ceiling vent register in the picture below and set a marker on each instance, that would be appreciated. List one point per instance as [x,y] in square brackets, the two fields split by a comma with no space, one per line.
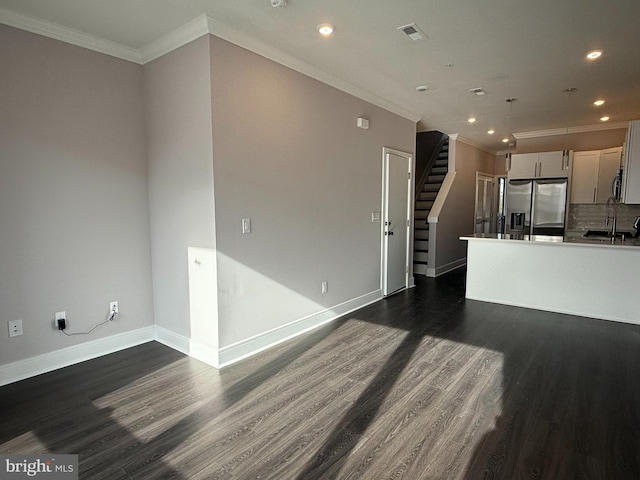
[413,32]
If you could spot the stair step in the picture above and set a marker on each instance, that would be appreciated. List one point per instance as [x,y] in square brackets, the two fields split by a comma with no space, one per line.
[424,204]
[420,256]
[419,268]
[439,170]
[442,162]
[431,187]
[421,234]
[421,245]
[435,178]
[421,215]
[422,196]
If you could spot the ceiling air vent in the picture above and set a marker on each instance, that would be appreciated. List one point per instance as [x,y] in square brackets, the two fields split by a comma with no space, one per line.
[477,91]
[413,32]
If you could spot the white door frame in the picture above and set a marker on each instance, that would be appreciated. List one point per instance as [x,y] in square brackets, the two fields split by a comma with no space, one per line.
[486,178]
[409,217]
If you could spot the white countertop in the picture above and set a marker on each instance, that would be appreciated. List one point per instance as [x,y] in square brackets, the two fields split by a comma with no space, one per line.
[572,238]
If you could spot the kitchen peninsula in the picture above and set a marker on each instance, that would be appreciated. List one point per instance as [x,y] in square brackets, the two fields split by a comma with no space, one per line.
[572,275]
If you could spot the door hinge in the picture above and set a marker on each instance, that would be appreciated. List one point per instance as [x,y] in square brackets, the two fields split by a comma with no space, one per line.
[409,175]
[408,223]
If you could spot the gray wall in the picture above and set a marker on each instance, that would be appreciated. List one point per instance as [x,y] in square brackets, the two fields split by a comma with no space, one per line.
[288,154]
[457,215]
[73,193]
[108,177]
[179,144]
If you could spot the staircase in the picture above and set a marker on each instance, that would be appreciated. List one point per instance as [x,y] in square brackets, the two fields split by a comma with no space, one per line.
[425,196]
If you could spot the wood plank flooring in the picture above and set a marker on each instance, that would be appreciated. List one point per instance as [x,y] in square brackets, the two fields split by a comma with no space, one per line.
[422,385]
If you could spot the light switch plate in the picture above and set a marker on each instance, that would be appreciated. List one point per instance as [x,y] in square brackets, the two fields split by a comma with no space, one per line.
[375,217]
[246,225]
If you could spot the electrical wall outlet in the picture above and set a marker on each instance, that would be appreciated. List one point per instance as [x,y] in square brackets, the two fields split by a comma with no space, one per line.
[59,316]
[325,287]
[15,328]
[113,308]
[60,320]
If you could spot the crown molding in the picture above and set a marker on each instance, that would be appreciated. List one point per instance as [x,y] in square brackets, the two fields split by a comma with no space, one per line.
[179,37]
[68,35]
[196,28]
[567,130]
[260,48]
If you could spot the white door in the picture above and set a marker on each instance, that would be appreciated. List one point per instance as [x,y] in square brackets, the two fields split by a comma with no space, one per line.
[484,203]
[396,210]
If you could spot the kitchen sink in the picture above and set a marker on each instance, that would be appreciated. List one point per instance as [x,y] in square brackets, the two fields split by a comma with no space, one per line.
[605,233]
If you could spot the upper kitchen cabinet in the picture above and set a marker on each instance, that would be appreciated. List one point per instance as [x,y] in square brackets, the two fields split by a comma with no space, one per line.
[584,177]
[592,175]
[631,175]
[610,163]
[539,165]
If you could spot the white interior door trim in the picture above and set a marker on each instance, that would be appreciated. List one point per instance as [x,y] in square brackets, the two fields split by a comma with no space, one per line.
[408,280]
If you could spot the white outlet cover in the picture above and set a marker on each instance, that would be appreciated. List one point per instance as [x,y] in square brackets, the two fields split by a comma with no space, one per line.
[15,328]
[246,225]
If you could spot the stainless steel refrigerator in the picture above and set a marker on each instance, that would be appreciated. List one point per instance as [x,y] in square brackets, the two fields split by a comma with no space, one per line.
[536,207]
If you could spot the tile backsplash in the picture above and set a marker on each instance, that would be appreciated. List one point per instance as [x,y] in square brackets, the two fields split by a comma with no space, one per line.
[583,216]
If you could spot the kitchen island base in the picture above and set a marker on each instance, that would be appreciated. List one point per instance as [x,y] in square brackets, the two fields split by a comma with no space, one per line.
[547,273]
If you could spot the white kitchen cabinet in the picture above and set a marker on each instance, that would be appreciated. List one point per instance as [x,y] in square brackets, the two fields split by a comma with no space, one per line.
[523,165]
[592,175]
[631,175]
[538,165]
[610,163]
[584,177]
[553,165]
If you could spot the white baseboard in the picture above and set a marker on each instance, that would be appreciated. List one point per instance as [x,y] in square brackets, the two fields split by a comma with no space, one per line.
[65,357]
[441,270]
[47,362]
[173,340]
[245,348]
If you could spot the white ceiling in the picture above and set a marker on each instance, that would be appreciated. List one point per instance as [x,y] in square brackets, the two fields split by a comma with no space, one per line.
[526,49]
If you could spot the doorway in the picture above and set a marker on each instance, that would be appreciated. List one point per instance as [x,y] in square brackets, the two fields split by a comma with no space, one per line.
[484,221]
[396,219]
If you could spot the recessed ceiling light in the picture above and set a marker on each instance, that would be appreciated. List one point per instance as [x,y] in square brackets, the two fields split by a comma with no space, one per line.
[491,132]
[604,119]
[325,29]
[471,119]
[422,88]
[593,54]
[597,103]
[505,140]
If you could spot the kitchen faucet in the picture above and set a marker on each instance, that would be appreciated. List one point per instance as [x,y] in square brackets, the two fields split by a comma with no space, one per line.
[613,218]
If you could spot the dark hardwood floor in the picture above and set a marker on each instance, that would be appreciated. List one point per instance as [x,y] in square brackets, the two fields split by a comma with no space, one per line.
[422,385]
